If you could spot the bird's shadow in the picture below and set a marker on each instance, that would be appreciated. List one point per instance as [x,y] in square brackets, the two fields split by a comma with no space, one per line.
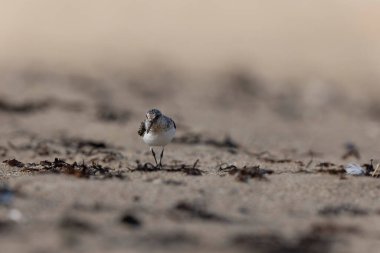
[191,170]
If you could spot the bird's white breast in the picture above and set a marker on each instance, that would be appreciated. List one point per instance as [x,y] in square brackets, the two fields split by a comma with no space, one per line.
[159,139]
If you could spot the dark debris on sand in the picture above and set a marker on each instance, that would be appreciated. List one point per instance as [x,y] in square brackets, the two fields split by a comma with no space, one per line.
[74,224]
[343,209]
[190,170]
[275,160]
[186,210]
[330,168]
[130,220]
[198,139]
[319,238]
[23,108]
[14,163]
[110,114]
[267,157]
[245,173]
[369,168]
[59,166]
[173,182]
[165,239]
[82,146]
[145,167]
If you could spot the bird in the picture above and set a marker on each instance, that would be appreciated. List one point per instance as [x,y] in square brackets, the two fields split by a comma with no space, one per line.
[157,130]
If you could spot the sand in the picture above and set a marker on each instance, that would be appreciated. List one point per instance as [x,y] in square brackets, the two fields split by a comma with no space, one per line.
[271,101]
[110,202]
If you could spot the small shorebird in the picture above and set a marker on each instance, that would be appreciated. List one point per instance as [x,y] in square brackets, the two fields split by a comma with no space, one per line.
[157,130]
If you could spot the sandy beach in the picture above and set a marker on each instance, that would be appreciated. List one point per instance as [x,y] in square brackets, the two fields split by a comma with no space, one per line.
[264,129]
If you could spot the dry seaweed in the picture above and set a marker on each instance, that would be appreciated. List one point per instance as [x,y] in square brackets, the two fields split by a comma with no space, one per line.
[190,170]
[246,172]
[333,171]
[267,157]
[330,168]
[274,160]
[14,163]
[325,165]
[369,168]
[146,167]
[80,170]
[224,167]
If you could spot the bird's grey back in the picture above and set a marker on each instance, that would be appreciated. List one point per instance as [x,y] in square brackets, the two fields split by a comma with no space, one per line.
[162,124]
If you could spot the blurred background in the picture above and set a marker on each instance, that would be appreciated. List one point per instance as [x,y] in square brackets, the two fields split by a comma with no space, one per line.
[334,41]
[297,60]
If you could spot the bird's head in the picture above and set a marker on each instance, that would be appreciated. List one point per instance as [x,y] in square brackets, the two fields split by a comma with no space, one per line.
[153,115]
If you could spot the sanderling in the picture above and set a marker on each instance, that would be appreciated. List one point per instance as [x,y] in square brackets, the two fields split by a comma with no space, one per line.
[157,130]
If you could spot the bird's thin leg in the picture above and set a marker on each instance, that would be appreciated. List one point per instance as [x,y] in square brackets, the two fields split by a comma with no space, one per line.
[162,154]
[154,155]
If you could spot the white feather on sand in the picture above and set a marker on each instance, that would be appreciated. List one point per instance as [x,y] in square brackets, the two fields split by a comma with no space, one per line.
[355,170]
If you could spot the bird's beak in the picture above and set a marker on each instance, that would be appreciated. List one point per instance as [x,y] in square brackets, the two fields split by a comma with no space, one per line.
[149,126]
[150,123]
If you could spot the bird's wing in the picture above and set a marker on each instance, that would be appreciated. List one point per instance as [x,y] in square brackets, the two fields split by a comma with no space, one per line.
[142,129]
[174,124]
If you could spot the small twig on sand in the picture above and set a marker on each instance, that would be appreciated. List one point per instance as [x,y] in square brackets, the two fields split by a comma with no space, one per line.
[195,164]
[376,173]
